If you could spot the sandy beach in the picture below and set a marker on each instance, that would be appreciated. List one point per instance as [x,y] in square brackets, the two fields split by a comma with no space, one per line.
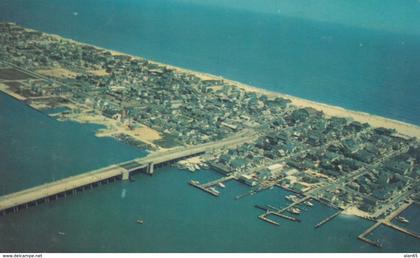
[329,110]
[4,88]
[354,211]
[114,127]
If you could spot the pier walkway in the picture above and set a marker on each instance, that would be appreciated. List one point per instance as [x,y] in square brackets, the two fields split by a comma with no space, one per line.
[67,186]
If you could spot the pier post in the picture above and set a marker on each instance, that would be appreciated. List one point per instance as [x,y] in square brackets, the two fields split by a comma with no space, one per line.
[150,168]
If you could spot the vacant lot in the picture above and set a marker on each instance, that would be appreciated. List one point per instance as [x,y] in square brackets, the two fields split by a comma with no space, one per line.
[12,74]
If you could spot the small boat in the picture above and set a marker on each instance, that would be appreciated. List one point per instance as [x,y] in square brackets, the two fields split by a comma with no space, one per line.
[61,233]
[214,190]
[402,219]
[291,198]
[308,203]
[194,182]
[294,210]
[222,185]
[139,221]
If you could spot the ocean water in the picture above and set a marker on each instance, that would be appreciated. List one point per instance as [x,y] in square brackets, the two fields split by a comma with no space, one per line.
[353,63]
[369,70]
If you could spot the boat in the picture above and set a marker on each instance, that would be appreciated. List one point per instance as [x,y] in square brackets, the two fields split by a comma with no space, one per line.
[61,233]
[402,219]
[291,198]
[294,210]
[139,221]
[214,190]
[194,182]
[308,203]
[222,185]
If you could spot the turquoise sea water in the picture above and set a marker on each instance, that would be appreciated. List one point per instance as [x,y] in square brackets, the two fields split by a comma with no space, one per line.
[369,70]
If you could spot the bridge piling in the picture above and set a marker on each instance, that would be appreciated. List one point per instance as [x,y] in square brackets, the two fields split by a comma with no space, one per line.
[150,168]
[125,175]
[72,185]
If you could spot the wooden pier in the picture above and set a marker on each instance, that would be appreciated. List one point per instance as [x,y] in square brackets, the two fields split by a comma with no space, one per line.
[205,189]
[388,222]
[284,216]
[328,219]
[401,229]
[363,236]
[264,218]
[217,181]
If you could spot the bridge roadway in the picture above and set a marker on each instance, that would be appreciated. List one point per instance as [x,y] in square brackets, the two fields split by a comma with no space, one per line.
[35,195]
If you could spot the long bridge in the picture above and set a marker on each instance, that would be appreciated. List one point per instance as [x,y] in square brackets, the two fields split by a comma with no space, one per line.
[50,191]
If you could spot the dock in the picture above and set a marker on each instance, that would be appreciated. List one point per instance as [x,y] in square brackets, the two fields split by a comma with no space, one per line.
[217,181]
[284,216]
[205,189]
[402,230]
[262,207]
[264,218]
[270,210]
[363,236]
[388,222]
[328,219]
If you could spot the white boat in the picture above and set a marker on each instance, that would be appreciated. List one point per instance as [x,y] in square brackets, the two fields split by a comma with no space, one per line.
[214,190]
[308,203]
[295,210]
[222,185]
[402,219]
[291,198]
[61,233]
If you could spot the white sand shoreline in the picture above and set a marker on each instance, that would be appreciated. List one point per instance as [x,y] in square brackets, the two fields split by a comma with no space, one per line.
[404,128]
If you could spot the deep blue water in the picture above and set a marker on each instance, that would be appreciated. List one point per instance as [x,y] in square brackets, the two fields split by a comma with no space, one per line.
[358,67]
[370,70]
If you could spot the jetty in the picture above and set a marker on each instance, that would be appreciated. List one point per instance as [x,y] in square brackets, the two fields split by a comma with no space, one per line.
[329,218]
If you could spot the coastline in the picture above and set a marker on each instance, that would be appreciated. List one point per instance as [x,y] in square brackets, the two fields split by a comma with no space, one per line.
[402,128]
